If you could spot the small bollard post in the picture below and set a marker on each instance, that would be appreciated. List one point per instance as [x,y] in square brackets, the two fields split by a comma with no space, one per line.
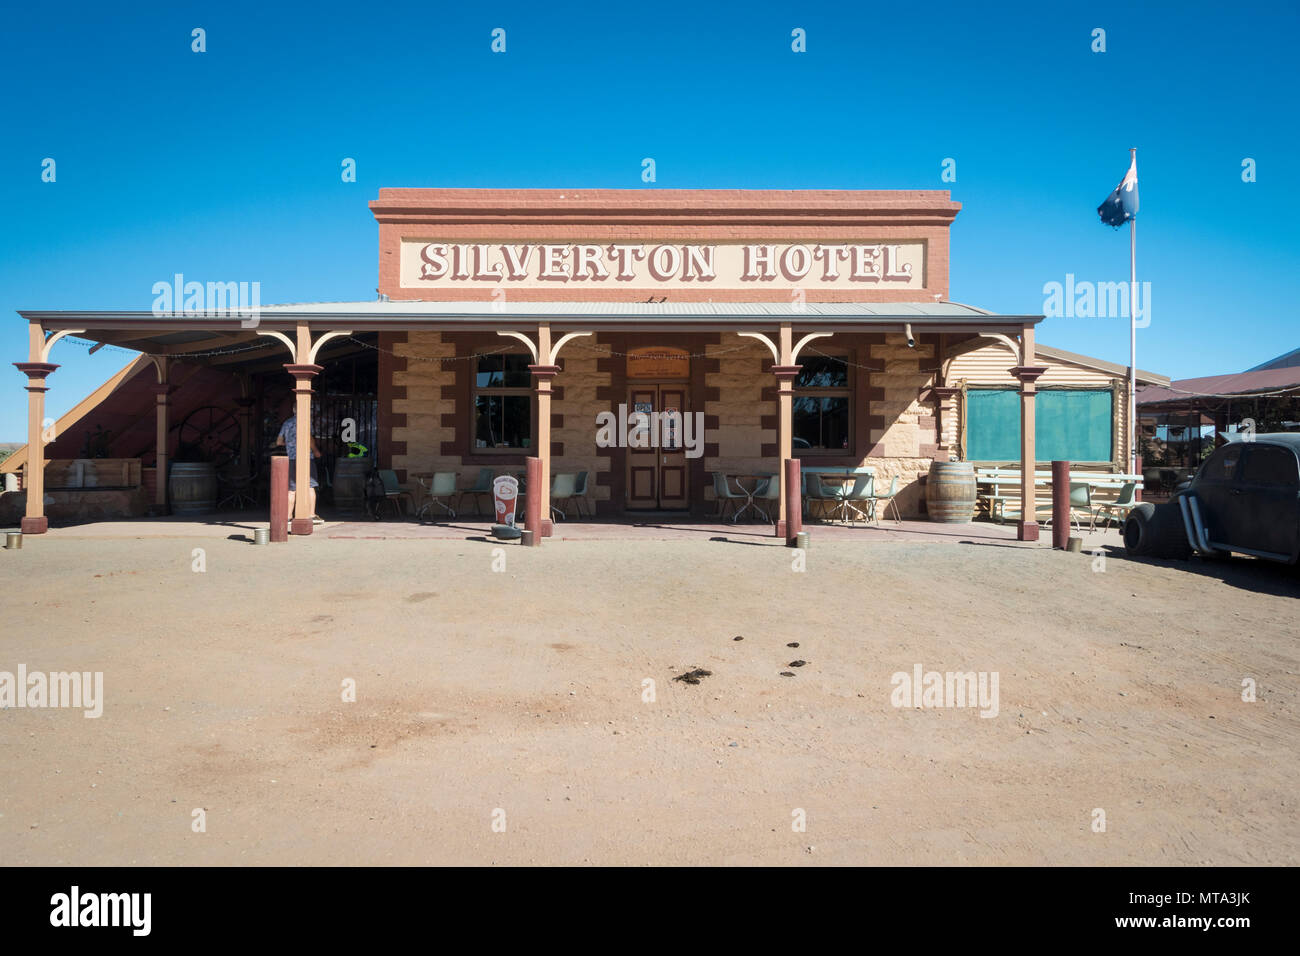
[1060,504]
[533,502]
[13,540]
[793,502]
[279,498]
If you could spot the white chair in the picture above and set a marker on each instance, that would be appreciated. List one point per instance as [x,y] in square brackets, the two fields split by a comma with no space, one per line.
[882,502]
[563,488]
[1080,500]
[1118,509]
[441,485]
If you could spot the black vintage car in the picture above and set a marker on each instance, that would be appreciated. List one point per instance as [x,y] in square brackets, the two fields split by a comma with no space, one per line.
[1244,499]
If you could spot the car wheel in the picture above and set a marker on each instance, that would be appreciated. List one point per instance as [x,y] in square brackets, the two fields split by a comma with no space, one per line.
[1156,532]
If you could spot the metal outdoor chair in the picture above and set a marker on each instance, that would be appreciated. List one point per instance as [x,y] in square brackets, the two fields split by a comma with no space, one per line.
[482,486]
[768,492]
[394,492]
[1080,500]
[862,491]
[1118,509]
[441,485]
[580,494]
[726,496]
[815,492]
[563,488]
[882,502]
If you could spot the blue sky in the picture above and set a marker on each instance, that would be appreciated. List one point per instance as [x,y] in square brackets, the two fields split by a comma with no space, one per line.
[225,165]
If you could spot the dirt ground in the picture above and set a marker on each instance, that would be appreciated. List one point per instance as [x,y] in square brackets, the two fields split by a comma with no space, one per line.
[500,716]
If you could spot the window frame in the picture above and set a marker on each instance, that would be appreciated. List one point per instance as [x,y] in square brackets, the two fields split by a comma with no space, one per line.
[501,391]
[848,391]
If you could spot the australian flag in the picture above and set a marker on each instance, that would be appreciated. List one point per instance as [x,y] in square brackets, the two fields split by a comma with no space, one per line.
[1122,205]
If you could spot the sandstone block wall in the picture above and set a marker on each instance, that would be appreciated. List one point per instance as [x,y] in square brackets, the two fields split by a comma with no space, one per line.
[424,405]
[741,382]
[896,431]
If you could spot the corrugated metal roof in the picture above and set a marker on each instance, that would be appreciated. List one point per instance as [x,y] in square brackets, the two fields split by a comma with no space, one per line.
[709,309]
[1189,389]
[1111,368]
[1285,360]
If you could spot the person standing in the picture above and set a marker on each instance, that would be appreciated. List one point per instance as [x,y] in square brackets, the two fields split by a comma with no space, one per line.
[288,438]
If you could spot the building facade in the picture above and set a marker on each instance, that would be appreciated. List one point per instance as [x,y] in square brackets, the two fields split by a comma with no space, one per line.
[765,325]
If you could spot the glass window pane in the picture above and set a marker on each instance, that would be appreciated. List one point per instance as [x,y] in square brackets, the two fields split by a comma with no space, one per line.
[1269,465]
[490,371]
[835,423]
[1224,463]
[516,371]
[502,421]
[515,420]
[820,424]
[820,371]
[487,418]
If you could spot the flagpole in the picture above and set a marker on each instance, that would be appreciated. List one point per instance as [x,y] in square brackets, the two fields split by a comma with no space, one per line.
[1132,336]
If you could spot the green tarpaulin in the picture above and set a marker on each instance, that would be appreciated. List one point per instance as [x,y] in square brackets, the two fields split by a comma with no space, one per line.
[1070,424]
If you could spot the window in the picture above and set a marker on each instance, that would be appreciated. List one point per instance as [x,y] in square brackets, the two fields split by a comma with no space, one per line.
[502,402]
[823,401]
[1270,465]
[1222,465]
[1069,424]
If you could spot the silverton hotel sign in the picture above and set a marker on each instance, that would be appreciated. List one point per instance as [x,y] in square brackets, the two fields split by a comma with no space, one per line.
[630,265]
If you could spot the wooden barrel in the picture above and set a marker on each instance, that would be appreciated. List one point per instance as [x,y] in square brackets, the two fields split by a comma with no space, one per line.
[350,484]
[950,492]
[192,487]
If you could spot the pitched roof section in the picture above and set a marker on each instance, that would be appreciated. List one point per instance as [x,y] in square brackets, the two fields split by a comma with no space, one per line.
[1212,386]
[1285,360]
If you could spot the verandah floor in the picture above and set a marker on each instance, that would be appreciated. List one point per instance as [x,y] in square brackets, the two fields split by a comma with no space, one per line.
[240,525]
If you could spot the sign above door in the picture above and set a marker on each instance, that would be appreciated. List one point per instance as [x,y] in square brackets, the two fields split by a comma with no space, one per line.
[661,364]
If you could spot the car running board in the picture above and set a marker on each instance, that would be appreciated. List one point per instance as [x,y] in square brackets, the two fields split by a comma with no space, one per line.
[1199,536]
[1270,555]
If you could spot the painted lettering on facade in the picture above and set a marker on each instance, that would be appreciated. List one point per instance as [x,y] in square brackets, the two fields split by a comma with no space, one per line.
[426,263]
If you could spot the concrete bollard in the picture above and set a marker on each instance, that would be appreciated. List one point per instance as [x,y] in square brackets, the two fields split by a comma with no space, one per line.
[793,501]
[533,503]
[279,498]
[1060,503]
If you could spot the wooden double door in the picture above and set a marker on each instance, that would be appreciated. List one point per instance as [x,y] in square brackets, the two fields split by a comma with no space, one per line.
[658,478]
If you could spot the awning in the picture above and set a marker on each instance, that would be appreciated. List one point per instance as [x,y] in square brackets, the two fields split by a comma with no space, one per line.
[188,332]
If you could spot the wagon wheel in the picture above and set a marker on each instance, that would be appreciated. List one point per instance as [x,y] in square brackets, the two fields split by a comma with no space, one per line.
[212,433]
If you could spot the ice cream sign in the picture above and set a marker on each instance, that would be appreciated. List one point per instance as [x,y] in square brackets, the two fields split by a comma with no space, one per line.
[658,266]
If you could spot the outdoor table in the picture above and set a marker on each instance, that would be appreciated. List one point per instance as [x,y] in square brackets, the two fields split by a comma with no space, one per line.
[844,476]
[756,476]
[423,489]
